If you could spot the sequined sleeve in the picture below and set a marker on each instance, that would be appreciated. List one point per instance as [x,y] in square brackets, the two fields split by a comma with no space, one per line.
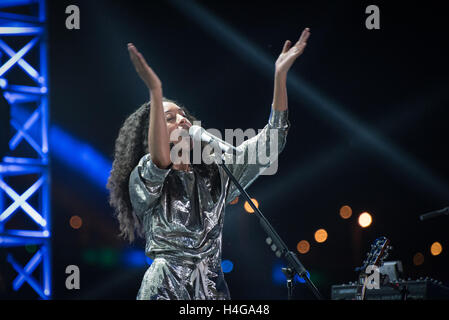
[259,153]
[145,185]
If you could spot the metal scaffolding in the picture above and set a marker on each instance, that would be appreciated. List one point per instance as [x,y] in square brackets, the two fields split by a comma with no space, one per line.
[25,215]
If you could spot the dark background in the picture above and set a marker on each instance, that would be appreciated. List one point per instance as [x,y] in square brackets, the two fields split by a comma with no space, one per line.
[392,82]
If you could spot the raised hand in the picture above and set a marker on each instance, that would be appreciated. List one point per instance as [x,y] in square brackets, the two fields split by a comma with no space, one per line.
[143,69]
[289,54]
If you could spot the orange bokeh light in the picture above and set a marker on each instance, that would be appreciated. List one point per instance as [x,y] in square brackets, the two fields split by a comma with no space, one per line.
[320,235]
[76,222]
[418,259]
[436,248]
[248,207]
[234,201]
[303,246]
[345,212]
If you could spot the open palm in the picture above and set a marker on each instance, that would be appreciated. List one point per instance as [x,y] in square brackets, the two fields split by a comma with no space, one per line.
[289,54]
[144,71]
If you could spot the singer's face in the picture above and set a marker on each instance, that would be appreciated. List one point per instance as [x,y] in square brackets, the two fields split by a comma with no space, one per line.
[177,124]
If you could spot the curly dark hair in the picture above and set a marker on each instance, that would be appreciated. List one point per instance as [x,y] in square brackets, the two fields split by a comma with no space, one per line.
[130,146]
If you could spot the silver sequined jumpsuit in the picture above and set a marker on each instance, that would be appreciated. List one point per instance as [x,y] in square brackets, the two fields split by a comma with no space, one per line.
[182,215]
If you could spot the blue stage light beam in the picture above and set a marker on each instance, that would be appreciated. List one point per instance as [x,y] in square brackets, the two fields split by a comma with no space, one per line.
[80,156]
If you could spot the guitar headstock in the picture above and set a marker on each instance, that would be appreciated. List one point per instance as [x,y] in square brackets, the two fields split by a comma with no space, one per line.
[380,250]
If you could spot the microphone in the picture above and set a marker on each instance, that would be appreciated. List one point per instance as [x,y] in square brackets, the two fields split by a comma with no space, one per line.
[436,213]
[199,134]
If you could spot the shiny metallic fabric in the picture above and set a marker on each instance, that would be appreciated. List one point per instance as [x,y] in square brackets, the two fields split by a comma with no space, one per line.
[182,215]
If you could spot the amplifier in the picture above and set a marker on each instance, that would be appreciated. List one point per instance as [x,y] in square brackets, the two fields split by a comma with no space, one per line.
[422,289]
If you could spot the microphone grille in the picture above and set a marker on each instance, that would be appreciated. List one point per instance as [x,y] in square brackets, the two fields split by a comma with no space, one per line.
[194,130]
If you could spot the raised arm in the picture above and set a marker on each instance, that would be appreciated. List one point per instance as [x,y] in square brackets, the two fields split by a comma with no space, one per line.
[247,172]
[285,60]
[158,139]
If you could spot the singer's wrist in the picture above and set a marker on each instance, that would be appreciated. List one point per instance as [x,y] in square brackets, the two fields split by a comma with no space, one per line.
[279,119]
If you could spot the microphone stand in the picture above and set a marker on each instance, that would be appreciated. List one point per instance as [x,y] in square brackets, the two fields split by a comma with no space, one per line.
[277,245]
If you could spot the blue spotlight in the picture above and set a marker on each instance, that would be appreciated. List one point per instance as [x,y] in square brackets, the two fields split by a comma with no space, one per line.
[227,266]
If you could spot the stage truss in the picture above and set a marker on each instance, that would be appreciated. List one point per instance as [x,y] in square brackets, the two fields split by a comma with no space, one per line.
[24,170]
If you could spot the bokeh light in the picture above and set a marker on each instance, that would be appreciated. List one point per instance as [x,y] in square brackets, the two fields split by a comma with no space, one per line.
[76,222]
[248,207]
[365,220]
[418,259]
[234,201]
[303,246]
[436,248]
[227,266]
[345,212]
[320,235]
